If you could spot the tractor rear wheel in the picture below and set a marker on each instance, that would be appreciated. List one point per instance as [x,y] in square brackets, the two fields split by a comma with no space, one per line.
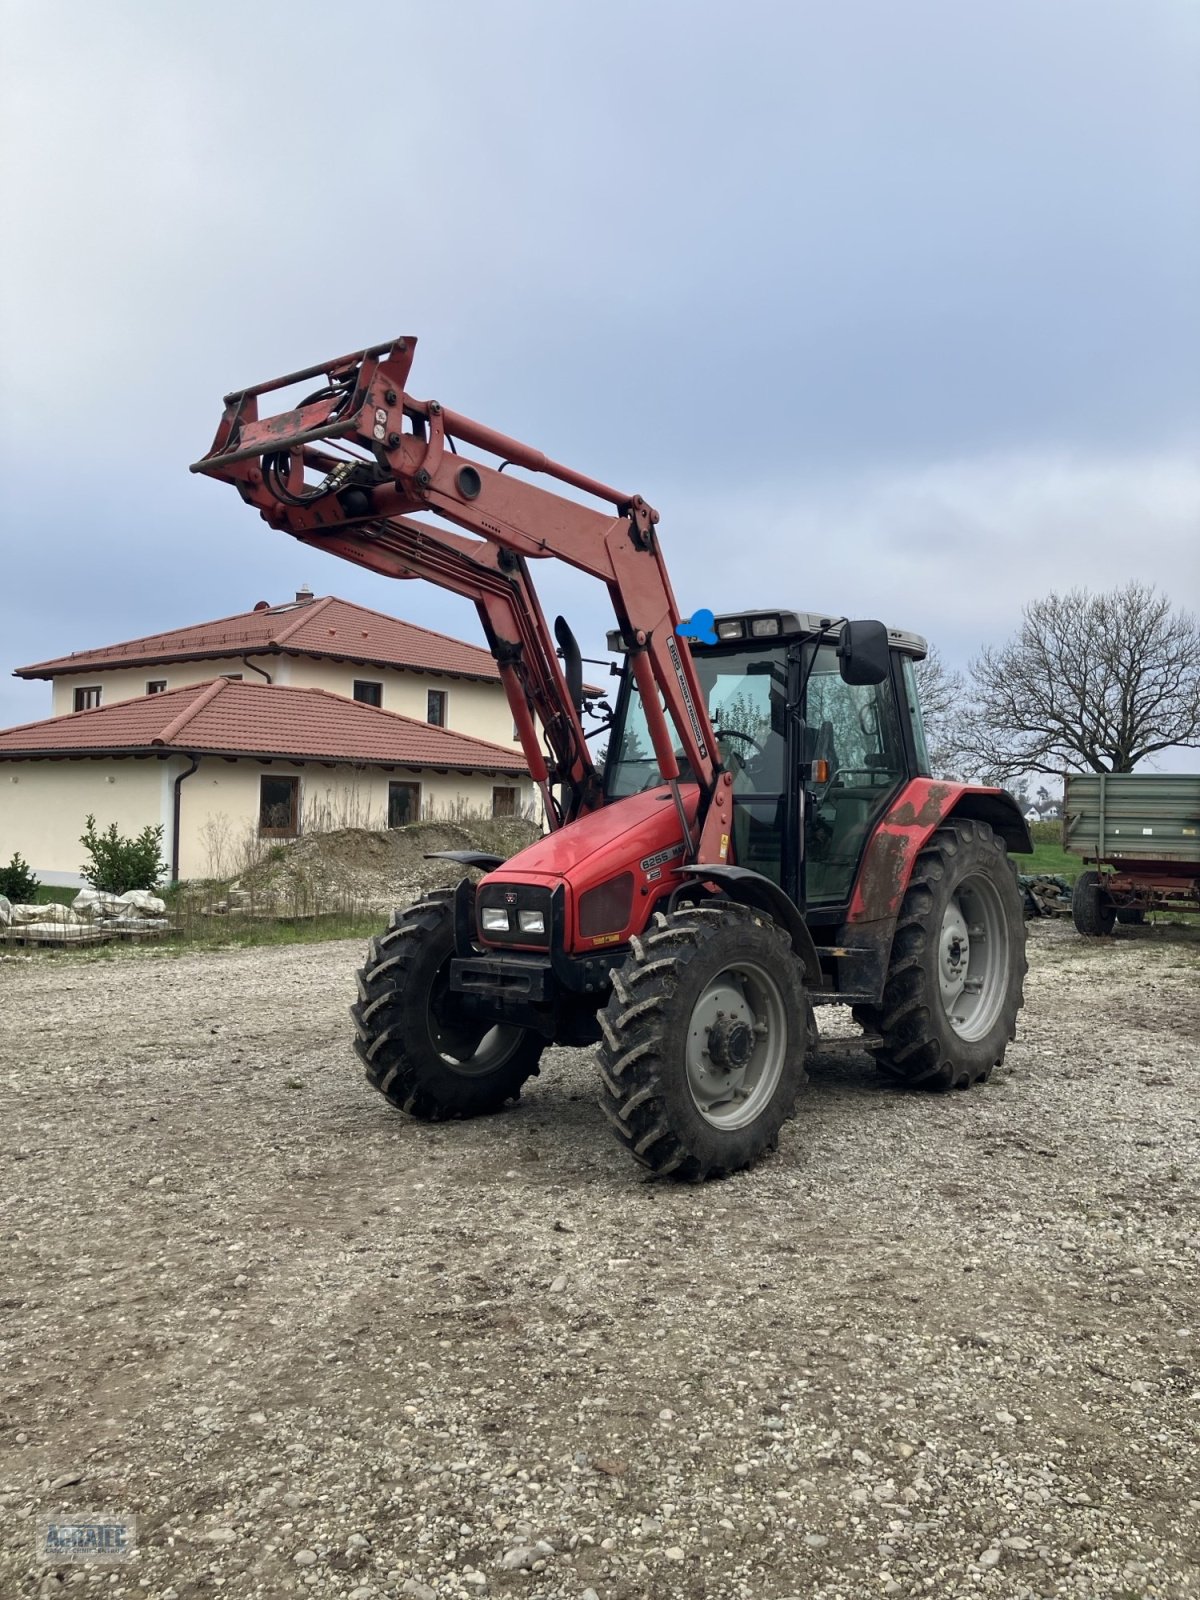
[957,967]
[416,1052]
[704,1038]
[1092,911]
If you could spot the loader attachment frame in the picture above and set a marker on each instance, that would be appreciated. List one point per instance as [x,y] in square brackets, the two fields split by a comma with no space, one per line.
[380,457]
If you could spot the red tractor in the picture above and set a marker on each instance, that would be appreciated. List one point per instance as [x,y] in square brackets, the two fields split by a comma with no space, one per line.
[764,835]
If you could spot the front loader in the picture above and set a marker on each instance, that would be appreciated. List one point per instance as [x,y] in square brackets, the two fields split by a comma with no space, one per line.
[764,836]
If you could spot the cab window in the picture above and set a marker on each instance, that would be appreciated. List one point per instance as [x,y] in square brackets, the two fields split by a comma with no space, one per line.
[855,759]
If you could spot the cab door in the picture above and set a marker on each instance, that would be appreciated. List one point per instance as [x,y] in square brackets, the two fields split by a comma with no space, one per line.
[746,691]
[852,763]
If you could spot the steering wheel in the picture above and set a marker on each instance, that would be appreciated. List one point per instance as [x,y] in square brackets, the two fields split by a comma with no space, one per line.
[733,733]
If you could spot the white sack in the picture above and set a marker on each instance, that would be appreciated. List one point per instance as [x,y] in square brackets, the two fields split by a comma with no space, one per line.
[93,903]
[142,902]
[22,916]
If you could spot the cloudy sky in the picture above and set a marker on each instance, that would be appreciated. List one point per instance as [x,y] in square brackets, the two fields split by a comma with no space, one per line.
[889,309]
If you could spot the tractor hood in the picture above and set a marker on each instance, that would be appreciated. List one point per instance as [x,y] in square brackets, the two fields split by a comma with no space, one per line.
[611,865]
[613,839]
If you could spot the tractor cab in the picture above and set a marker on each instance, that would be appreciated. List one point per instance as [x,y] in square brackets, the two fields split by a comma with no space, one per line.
[815,757]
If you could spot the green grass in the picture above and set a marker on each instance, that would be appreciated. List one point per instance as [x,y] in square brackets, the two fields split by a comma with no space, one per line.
[1048,853]
[48,895]
[245,933]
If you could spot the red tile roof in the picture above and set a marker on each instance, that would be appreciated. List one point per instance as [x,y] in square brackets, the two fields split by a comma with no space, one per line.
[325,627]
[225,717]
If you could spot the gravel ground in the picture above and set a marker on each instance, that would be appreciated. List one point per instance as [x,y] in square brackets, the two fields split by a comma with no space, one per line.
[935,1346]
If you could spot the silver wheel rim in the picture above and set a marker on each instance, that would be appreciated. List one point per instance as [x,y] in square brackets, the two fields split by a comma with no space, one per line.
[972,958]
[740,1013]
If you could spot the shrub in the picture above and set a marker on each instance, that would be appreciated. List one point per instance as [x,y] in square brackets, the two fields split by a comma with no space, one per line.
[17,881]
[116,863]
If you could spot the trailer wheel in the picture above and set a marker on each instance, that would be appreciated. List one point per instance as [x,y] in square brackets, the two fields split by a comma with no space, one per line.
[1131,916]
[1092,911]
[957,967]
[704,1039]
[413,1049]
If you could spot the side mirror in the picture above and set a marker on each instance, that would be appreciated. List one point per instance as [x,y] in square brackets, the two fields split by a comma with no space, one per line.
[572,661]
[864,654]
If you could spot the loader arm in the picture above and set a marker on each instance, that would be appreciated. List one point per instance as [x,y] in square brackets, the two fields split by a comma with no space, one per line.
[498,583]
[379,455]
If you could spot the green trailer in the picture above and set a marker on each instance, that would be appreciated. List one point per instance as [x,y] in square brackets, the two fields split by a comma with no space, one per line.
[1140,835]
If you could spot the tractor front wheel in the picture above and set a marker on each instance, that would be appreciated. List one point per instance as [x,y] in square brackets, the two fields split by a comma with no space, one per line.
[417,1052]
[955,976]
[704,1038]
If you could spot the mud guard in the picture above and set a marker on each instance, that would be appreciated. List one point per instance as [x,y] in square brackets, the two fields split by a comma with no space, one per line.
[922,807]
[468,858]
[754,890]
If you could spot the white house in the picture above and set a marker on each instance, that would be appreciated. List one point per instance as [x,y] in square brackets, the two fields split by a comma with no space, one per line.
[225,760]
[307,642]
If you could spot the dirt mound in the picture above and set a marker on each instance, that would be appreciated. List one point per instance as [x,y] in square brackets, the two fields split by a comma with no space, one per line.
[330,871]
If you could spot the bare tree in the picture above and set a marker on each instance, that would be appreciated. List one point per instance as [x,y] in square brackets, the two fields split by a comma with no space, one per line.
[1089,682]
[943,700]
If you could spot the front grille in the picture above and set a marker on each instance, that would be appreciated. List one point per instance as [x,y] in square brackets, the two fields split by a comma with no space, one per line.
[607,908]
[500,909]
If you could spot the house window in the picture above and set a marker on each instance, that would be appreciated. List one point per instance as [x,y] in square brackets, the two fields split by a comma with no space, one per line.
[87,699]
[404,804]
[435,707]
[279,807]
[504,800]
[368,693]
[157,686]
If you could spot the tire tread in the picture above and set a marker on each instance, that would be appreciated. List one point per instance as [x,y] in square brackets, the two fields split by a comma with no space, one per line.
[390,1064]
[638,1052]
[910,1050]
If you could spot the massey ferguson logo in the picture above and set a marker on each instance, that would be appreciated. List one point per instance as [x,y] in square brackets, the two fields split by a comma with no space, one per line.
[673,652]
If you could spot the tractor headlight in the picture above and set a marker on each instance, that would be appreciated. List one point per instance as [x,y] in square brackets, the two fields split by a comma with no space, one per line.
[513,913]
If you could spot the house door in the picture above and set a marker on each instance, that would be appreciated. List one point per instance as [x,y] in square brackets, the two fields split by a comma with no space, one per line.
[404,804]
